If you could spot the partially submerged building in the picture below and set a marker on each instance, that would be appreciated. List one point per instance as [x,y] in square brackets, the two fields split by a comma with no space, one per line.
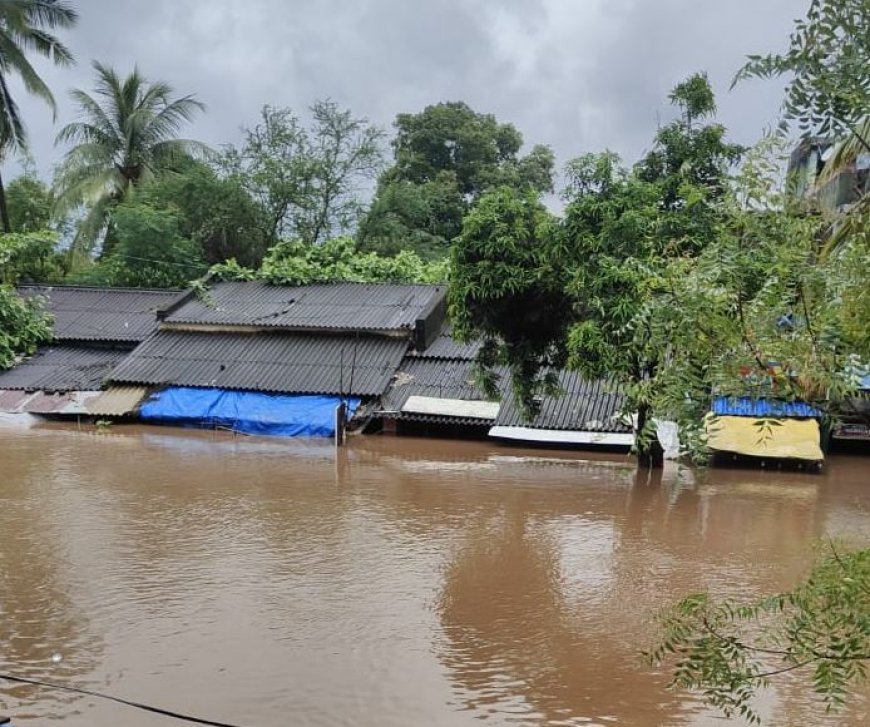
[765,428]
[280,360]
[436,389]
[258,358]
[94,329]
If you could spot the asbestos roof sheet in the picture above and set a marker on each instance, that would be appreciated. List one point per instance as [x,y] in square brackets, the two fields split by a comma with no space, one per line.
[745,406]
[445,347]
[116,400]
[432,378]
[339,306]
[113,402]
[63,368]
[102,314]
[589,406]
[293,363]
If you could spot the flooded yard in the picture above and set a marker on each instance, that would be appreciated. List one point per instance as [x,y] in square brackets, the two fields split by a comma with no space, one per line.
[397,582]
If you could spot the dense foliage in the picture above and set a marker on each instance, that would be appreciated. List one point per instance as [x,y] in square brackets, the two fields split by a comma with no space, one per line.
[572,290]
[445,158]
[337,259]
[23,326]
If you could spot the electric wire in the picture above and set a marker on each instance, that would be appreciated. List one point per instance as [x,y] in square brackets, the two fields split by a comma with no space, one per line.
[118,700]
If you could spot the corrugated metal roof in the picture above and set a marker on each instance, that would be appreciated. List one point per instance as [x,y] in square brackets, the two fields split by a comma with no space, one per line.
[341,306]
[293,363]
[63,368]
[424,377]
[102,314]
[444,347]
[745,406]
[588,406]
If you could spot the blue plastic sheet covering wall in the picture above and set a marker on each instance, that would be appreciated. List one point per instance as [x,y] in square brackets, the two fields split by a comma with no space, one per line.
[745,406]
[250,412]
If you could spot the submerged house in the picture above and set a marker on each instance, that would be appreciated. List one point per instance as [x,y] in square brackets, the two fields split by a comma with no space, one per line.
[435,389]
[266,359]
[262,359]
[94,329]
[765,428]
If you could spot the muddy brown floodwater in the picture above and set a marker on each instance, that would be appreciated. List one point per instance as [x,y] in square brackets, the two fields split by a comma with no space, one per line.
[401,582]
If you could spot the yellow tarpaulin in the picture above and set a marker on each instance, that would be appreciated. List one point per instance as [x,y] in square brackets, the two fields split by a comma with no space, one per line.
[785,439]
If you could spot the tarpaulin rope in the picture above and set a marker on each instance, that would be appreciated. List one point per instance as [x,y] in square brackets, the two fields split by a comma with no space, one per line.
[119,700]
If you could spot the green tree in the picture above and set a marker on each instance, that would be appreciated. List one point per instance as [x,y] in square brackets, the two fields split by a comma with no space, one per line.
[214,210]
[508,290]
[26,26]
[450,155]
[150,251]
[730,650]
[30,204]
[308,180]
[760,293]
[127,137]
[620,227]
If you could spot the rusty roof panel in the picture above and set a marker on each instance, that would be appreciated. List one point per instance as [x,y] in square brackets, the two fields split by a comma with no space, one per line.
[276,362]
[323,306]
[116,400]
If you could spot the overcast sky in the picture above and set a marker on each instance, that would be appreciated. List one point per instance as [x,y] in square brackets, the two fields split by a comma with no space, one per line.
[579,75]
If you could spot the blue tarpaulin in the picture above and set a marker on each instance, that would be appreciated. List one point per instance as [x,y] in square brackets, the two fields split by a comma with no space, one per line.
[745,406]
[250,412]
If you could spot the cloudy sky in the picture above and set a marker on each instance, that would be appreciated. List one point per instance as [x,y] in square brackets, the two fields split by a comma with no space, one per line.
[579,75]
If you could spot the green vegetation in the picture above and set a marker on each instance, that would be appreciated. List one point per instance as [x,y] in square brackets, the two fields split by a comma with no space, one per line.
[729,650]
[125,139]
[337,259]
[445,158]
[307,181]
[25,27]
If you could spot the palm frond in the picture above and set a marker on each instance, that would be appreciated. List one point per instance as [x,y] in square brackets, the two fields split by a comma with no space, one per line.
[12,132]
[49,13]
[14,59]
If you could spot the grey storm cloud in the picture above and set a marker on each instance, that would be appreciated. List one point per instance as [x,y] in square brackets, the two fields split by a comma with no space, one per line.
[579,75]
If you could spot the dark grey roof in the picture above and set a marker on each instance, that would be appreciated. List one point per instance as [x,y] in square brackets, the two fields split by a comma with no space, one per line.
[588,406]
[63,368]
[438,378]
[445,347]
[337,306]
[441,379]
[102,314]
[278,362]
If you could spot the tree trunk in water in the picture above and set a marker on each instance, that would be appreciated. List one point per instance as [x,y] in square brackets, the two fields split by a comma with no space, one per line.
[650,455]
[4,211]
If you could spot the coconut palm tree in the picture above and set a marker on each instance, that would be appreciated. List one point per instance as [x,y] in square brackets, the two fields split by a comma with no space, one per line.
[25,27]
[126,136]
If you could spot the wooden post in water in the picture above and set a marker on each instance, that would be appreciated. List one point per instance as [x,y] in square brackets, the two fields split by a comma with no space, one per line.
[340,423]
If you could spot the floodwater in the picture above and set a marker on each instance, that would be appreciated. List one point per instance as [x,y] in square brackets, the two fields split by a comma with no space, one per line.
[401,582]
